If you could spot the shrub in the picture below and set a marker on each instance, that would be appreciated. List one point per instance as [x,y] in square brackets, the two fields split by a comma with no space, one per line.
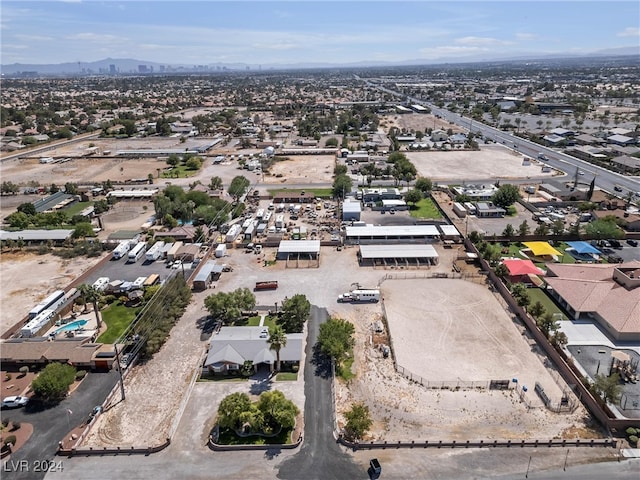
[11,439]
[8,377]
[80,374]
[633,440]
[15,426]
[53,382]
[24,370]
[631,431]
[5,422]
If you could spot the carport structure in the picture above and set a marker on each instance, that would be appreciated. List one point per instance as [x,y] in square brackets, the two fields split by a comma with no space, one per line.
[398,255]
[392,234]
[295,251]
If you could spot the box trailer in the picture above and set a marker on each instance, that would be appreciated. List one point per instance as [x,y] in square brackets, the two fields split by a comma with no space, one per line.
[279,221]
[137,252]
[155,252]
[221,250]
[101,283]
[121,250]
[268,285]
[233,233]
[32,328]
[52,302]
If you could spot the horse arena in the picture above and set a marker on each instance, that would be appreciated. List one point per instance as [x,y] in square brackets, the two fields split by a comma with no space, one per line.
[455,333]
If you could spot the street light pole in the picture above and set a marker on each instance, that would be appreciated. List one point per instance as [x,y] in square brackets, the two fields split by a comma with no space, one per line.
[527,474]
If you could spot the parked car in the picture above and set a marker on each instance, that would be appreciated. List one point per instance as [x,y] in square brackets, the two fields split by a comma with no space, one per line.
[632,242]
[97,410]
[14,402]
[615,244]
[176,264]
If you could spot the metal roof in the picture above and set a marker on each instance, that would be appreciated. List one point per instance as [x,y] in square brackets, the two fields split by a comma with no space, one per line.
[132,193]
[299,246]
[398,251]
[449,230]
[351,207]
[36,235]
[393,231]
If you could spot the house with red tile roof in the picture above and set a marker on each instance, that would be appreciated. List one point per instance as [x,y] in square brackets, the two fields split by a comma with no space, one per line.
[606,293]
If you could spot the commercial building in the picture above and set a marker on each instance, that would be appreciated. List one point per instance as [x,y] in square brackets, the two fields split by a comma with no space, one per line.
[398,255]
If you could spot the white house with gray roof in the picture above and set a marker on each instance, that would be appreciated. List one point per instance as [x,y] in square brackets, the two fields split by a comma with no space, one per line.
[233,346]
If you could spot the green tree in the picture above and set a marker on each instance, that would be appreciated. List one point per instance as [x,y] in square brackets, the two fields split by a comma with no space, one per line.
[608,388]
[424,184]
[506,195]
[557,227]
[173,160]
[54,381]
[508,231]
[331,142]
[277,411]
[228,306]
[524,229]
[541,229]
[27,208]
[232,409]
[238,187]
[83,230]
[341,186]
[358,421]
[335,339]
[90,294]
[501,270]
[603,228]
[277,341]
[215,183]
[194,163]
[547,324]
[340,170]
[19,220]
[295,311]
[537,309]
[413,196]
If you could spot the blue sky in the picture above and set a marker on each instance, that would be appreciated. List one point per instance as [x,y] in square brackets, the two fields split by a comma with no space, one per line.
[266,32]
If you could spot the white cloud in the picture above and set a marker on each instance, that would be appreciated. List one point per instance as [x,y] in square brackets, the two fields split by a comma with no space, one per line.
[526,36]
[630,32]
[482,41]
[97,38]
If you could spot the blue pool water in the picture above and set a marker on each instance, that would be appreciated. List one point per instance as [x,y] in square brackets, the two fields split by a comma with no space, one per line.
[71,326]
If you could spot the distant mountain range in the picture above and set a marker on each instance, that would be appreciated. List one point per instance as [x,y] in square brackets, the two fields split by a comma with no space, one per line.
[129,65]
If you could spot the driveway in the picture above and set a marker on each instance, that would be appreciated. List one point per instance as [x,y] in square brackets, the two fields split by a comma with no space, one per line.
[320,456]
[52,424]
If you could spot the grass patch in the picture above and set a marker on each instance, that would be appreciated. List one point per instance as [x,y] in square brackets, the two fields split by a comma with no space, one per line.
[180,171]
[253,321]
[344,370]
[117,318]
[228,437]
[539,295]
[286,376]
[269,322]
[425,208]
[318,192]
[76,208]
[566,257]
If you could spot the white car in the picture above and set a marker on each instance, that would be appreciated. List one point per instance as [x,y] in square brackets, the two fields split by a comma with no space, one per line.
[14,402]
[177,264]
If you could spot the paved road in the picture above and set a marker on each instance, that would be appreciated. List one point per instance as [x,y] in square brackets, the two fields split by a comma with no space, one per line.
[52,424]
[320,456]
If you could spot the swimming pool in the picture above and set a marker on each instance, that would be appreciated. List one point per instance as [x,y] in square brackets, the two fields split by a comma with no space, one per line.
[71,326]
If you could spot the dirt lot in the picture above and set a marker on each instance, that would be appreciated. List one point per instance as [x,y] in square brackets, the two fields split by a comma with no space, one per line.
[418,121]
[492,161]
[20,292]
[402,409]
[303,169]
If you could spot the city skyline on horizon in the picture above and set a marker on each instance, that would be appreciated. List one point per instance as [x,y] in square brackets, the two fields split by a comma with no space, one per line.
[264,33]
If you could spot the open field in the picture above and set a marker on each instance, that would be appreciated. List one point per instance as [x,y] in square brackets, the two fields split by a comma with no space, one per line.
[490,162]
[302,169]
[433,337]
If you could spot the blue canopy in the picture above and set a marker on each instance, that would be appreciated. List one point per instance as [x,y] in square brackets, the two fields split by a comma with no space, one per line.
[584,247]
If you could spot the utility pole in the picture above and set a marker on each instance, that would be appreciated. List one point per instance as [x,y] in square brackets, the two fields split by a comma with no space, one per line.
[119,367]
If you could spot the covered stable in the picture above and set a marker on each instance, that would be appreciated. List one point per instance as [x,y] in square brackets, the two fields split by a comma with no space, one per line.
[398,255]
[542,251]
[390,233]
[583,251]
[449,233]
[295,251]
[523,271]
[209,272]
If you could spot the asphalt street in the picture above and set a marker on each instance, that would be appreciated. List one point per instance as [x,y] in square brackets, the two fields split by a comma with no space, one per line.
[50,425]
[320,456]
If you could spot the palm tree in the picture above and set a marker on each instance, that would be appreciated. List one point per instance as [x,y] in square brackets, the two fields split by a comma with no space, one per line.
[277,340]
[89,293]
